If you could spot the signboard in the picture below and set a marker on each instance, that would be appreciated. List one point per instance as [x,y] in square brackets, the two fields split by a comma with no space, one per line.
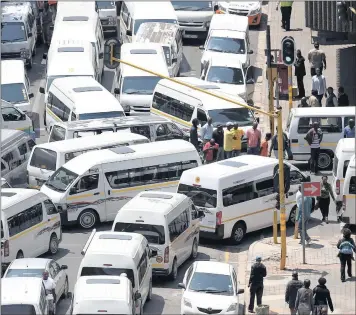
[312,189]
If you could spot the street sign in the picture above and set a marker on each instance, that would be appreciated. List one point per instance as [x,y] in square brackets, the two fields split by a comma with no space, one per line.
[312,189]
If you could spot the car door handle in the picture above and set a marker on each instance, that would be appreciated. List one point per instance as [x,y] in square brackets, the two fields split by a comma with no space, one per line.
[97,193]
[294,140]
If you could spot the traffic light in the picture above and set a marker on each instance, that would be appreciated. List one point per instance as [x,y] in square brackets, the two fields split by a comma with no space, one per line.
[288,50]
[114,46]
[342,11]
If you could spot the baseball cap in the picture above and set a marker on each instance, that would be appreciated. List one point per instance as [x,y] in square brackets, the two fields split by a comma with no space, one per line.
[258,258]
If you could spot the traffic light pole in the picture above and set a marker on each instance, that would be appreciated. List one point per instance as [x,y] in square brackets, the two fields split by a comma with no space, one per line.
[290,87]
[270,82]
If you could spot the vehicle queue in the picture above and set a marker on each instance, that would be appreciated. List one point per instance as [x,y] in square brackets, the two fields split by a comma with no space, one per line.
[140,172]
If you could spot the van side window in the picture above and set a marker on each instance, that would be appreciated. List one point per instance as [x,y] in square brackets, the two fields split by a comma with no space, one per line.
[125,14]
[31,144]
[202,117]
[50,207]
[3,167]
[178,225]
[86,183]
[237,194]
[352,188]
[59,108]
[142,267]
[179,39]
[31,19]
[25,219]
[58,133]
[304,125]
[22,148]
[265,187]
[11,160]
[326,124]
[346,120]
[73,116]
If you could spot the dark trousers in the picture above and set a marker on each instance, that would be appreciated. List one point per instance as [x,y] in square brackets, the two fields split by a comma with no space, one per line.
[286,13]
[324,204]
[345,259]
[313,72]
[255,290]
[314,156]
[320,98]
[301,90]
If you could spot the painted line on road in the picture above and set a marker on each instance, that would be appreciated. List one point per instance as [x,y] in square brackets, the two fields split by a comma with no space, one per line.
[227,256]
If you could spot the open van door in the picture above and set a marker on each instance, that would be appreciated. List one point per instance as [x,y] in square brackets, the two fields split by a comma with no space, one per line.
[249,82]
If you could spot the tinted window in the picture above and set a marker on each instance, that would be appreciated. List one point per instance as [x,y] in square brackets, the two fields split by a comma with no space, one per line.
[31,144]
[192,5]
[201,117]
[210,282]
[142,267]
[58,107]
[61,179]
[24,273]
[139,22]
[18,309]
[142,130]
[13,32]
[242,116]
[105,4]
[265,187]
[11,114]
[237,194]
[22,149]
[326,124]
[58,133]
[153,233]
[335,165]
[178,225]
[296,178]
[227,45]
[100,115]
[98,271]
[86,183]
[139,85]
[201,197]
[50,207]
[14,92]
[225,75]
[352,189]
[44,158]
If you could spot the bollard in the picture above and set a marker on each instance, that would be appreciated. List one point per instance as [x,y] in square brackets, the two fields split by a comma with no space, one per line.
[262,310]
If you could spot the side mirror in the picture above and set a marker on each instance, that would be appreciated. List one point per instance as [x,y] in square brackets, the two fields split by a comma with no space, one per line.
[101,55]
[51,28]
[201,47]
[153,253]
[44,56]
[30,95]
[64,267]
[250,52]
[41,90]
[117,91]
[181,285]
[174,60]
[240,291]
[250,81]
[30,34]
[201,214]
[129,33]
[73,190]
[308,179]
[137,296]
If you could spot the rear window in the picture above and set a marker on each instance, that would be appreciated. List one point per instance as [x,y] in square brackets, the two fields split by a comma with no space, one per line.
[153,233]
[99,271]
[44,158]
[24,273]
[352,188]
[18,309]
[201,197]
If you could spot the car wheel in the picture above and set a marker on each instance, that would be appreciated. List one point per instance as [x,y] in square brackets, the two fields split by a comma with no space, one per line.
[324,160]
[238,233]
[194,253]
[53,244]
[174,272]
[149,296]
[292,216]
[19,255]
[66,290]
[87,219]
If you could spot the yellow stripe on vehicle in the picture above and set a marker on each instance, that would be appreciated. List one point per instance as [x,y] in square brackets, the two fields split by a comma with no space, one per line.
[323,144]
[157,265]
[53,115]
[84,196]
[207,227]
[178,120]
[350,196]
[145,187]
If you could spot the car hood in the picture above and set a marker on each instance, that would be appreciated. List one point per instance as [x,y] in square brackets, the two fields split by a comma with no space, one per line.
[205,300]
[55,196]
[242,5]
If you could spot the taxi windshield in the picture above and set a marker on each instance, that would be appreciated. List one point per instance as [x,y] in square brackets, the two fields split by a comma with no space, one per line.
[227,45]
[13,32]
[139,85]
[192,5]
[227,75]
[61,179]
[139,22]
[105,4]
[14,93]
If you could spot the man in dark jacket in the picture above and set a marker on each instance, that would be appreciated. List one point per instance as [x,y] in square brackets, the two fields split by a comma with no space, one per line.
[291,292]
[322,298]
[300,72]
[218,135]
[346,247]
[343,99]
[304,303]
[258,272]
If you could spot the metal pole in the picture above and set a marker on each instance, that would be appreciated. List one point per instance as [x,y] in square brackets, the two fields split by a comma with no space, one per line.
[290,87]
[303,224]
[281,192]
[270,81]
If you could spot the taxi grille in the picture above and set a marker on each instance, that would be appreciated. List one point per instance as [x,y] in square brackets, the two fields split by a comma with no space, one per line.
[11,55]
[209,310]
[104,21]
[239,12]
[191,24]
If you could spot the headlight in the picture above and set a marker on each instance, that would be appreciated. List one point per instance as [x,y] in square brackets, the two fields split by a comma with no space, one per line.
[232,307]
[207,24]
[112,20]
[24,53]
[187,302]
[255,11]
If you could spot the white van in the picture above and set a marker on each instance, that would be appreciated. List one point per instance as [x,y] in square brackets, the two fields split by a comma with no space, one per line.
[114,253]
[135,13]
[170,37]
[153,127]
[69,58]
[15,85]
[332,121]
[46,158]
[30,224]
[16,119]
[135,87]
[4,183]
[23,296]
[182,104]
[169,222]
[79,98]
[194,17]
[108,17]
[228,35]
[251,9]
[79,21]
[349,194]
[103,294]
[16,147]
[237,195]
[92,187]
[345,149]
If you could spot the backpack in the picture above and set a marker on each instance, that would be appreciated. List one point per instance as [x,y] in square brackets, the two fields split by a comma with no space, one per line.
[346,248]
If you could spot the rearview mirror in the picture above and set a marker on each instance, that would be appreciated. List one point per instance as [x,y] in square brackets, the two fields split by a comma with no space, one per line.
[201,47]
[41,90]
[64,267]
[153,253]
[137,295]
[116,91]
[240,291]
[44,56]
[129,33]
[250,52]
[30,95]
[181,285]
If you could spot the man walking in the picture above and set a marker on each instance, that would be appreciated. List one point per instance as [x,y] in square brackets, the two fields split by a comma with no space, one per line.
[343,98]
[258,272]
[314,138]
[304,303]
[299,68]
[319,85]
[218,135]
[331,99]
[322,298]
[286,11]
[229,137]
[253,140]
[316,59]
[291,292]
[346,247]
[236,143]
[286,147]
[349,130]
[300,218]
[206,132]
[313,100]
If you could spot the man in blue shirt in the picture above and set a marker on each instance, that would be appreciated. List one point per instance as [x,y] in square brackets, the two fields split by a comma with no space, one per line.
[206,132]
[349,131]
[307,212]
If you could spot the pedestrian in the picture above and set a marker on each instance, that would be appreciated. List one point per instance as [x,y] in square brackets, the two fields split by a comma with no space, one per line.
[253,140]
[53,8]
[314,138]
[304,303]
[286,11]
[47,21]
[264,144]
[349,130]
[346,247]
[286,146]
[313,100]
[316,59]
[322,298]
[206,132]
[319,85]
[236,143]
[210,150]
[258,272]
[331,99]
[343,99]
[194,133]
[304,102]
[307,208]
[218,135]
[291,292]
[299,72]
[324,198]
[229,137]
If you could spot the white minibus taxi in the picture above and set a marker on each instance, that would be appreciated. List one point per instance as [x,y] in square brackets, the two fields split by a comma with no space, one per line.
[170,223]
[349,194]
[46,158]
[103,294]
[135,13]
[114,253]
[92,187]
[345,149]
[332,121]
[237,195]
[30,224]
[79,98]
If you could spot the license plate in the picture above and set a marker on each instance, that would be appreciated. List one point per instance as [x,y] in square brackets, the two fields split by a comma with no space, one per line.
[190,36]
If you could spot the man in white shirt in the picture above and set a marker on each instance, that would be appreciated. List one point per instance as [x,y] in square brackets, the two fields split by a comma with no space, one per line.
[49,285]
[319,85]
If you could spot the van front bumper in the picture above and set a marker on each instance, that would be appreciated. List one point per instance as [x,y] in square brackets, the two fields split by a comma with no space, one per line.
[218,234]
[160,272]
[64,218]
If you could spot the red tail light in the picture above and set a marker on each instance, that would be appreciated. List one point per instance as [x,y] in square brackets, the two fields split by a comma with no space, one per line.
[338,187]
[344,202]
[6,249]
[218,218]
[166,255]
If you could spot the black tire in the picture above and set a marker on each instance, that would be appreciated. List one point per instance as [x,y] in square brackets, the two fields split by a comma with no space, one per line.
[20,255]
[87,219]
[149,295]
[238,233]
[174,273]
[65,293]
[325,160]
[194,253]
[53,244]
[292,216]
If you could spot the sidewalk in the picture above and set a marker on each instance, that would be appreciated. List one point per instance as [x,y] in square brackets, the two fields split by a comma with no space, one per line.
[321,260]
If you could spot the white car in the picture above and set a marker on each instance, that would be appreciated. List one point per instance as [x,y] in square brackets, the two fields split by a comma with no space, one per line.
[34,267]
[210,287]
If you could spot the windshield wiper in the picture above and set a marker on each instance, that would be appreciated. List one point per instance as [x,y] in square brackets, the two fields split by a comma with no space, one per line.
[131,92]
[12,40]
[211,291]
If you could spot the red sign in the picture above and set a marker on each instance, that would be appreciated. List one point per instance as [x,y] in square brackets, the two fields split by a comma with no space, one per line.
[312,189]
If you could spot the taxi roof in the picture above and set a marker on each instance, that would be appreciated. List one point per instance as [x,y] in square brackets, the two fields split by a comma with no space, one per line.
[14,11]
[12,71]
[30,263]
[229,60]
[345,145]
[13,196]
[213,267]
[20,290]
[151,9]
[231,22]
[156,32]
